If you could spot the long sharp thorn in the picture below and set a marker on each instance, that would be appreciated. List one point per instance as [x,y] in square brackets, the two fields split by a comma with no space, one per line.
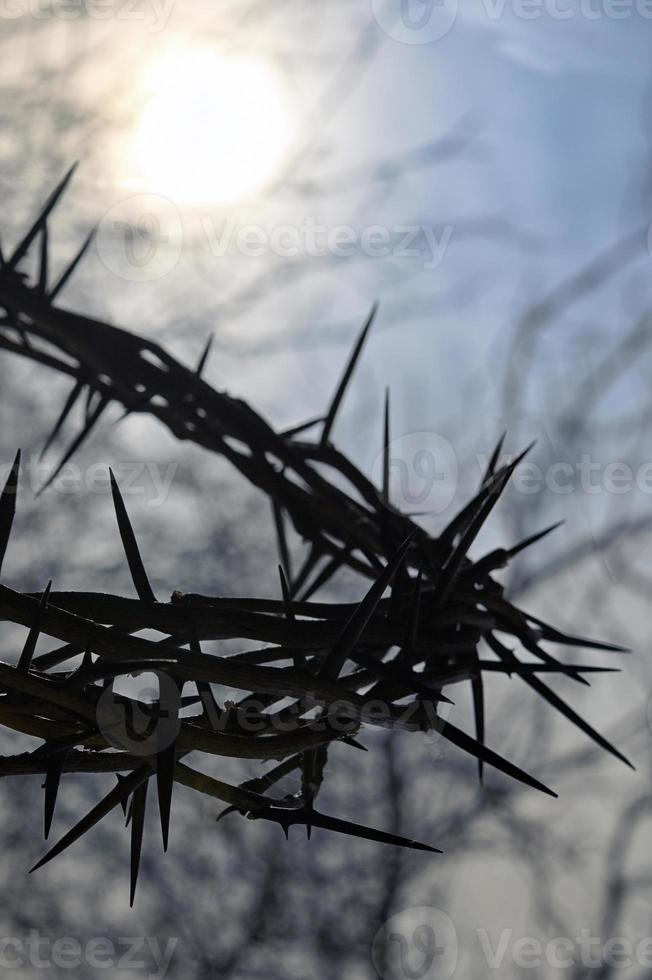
[21,250]
[557,636]
[123,802]
[65,412]
[346,377]
[165,766]
[495,456]
[520,668]
[93,398]
[468,744]
[353,742]
[112,799]
[477,687]
[34,633]
[70,268]
[51,786]
[139,800]
[75,444]
[295,430]
[486,501]
[489,491]
[386,440]
[501,556]
[8,507]
[324,575]
[553,699]
[355,626]
[43,261]
[225,813]
[204,356]
[321,820]
[281,537]
[522,545]
[135,562]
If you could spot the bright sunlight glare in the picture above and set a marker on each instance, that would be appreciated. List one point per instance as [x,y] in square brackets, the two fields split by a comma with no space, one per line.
[213,127]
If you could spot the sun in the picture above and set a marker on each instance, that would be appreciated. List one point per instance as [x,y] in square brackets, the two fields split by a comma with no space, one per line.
[213,127]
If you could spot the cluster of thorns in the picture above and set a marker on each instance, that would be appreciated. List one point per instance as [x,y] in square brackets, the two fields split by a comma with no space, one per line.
[430,616]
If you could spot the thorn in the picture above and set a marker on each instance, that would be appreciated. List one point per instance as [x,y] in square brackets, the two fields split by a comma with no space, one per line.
[346,377]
